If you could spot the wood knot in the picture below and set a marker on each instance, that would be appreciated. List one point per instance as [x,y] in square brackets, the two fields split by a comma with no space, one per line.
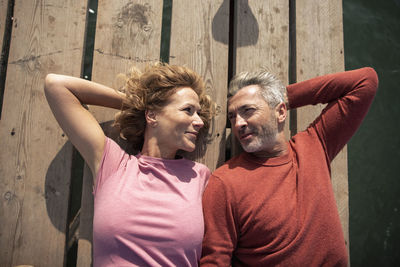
[8,195]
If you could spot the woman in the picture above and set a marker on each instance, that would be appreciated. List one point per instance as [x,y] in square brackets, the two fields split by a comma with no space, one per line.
[147,209]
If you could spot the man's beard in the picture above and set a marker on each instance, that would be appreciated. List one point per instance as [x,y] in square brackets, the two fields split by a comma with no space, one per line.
[265,139]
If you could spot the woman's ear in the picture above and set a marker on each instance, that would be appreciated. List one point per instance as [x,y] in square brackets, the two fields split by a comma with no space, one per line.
[151,118]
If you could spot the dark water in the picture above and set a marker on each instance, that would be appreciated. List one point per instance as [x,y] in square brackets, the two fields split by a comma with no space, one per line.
[372,38]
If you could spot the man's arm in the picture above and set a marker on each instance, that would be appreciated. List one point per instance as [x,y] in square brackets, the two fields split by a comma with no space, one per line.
[348,95]
[220,235]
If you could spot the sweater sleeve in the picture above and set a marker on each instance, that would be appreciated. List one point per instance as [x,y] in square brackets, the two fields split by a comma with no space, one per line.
[220,233]
[348,95]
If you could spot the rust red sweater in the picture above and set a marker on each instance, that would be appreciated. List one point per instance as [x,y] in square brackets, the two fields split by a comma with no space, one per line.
[282,211]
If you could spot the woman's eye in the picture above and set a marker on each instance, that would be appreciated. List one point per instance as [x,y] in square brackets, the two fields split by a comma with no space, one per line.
[188,110]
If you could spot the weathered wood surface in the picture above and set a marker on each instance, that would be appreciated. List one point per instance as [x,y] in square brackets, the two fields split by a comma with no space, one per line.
[35,156]
[128,33]
[319,39]
[3,16]
[262,37]
[35,159]
[198,48]
[85,241]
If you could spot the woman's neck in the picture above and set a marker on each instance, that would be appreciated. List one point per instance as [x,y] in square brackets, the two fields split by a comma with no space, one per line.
[152,148]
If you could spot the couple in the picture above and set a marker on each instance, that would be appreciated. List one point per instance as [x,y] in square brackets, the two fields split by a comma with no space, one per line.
[273,205]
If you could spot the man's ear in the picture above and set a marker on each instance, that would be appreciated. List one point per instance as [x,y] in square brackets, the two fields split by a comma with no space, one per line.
[281,112]
[151,118]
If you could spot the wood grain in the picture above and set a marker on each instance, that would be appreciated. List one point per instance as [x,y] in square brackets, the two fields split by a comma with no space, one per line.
[35,157]
[3,16]
[199,40]
[320,51]
[85,241]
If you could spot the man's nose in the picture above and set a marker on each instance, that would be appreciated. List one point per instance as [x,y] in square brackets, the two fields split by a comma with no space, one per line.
[240,122]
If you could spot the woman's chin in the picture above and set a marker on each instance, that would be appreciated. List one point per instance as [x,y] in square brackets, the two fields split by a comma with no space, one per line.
[190,148]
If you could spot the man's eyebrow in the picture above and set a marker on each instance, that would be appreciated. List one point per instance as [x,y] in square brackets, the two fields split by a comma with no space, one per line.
[241,108]
[244,106]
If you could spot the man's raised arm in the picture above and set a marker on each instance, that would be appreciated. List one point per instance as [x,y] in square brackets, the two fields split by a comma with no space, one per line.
[348,95]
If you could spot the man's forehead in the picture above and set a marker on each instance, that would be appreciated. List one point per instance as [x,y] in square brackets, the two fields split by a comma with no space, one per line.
[248,90]
[245,96]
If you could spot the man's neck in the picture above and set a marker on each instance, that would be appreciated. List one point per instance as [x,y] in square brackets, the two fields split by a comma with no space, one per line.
[279,148]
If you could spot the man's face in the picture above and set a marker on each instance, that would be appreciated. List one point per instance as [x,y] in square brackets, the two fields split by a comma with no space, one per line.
[253,121]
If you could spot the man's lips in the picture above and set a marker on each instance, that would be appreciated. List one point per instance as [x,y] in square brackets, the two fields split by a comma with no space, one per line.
[245,136]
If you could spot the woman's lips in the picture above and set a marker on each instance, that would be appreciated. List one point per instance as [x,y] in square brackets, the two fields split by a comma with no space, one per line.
[193,134]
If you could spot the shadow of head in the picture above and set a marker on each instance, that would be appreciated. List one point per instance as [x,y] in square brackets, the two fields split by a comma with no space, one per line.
[65,173]
[57,187]
[245,29]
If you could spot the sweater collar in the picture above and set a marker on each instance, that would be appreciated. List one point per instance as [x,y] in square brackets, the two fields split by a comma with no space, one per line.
[274,161]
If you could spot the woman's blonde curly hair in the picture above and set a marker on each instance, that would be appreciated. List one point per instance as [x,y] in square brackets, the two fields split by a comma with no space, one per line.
[150,90]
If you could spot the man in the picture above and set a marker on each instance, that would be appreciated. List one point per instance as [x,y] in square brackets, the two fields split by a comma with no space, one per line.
[273,205]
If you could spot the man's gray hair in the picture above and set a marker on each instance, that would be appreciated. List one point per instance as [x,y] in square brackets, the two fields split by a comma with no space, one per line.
[271,88]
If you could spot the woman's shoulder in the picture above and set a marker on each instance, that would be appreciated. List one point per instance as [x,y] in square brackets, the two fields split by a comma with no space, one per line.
[113,153]
[197,165]
[118,146]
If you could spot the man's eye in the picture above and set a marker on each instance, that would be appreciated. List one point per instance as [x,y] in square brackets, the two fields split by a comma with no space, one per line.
[248,110]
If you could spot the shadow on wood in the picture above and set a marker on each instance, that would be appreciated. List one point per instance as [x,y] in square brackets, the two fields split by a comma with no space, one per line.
[249,25]
[56,194]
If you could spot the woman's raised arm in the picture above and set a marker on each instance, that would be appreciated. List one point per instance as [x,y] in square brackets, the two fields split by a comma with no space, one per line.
[65,96]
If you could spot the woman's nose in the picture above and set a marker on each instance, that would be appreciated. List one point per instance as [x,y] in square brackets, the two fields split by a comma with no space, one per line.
[198,122]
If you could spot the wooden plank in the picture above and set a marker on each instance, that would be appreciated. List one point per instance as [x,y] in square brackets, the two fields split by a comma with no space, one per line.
[35,155]
[319,35]
[3,17]
[84,257]
[127,34]
[262,41]
[5,27]
[262,37]
[199,40]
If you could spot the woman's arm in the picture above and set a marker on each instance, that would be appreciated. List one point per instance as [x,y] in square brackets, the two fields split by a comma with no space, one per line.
[65,96]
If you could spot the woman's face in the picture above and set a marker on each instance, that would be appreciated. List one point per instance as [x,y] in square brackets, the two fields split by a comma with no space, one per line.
[178,123]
